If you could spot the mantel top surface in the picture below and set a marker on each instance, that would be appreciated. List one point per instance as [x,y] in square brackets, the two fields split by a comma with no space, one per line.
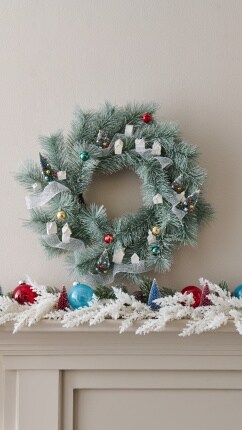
[47,326]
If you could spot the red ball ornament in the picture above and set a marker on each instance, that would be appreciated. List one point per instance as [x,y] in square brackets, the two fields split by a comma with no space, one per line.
[146,117]
[105,144]
[23,293]
[196,292]
[108,238]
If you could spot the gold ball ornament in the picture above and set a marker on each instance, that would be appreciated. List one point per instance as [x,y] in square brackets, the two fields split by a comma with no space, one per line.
[48,172]
[61,215]
[155,230]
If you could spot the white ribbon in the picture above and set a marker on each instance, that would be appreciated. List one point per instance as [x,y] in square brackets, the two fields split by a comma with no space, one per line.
[164,161]
[178,212]
[40,199]
[73,245]
[100,279]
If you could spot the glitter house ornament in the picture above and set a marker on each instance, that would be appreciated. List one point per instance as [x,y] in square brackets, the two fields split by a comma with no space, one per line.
[156,148]
[151,237]
[61,175]
[66,233]
[129,129]
[118,147]
[140,145]
[118,255]
[51,228]
[135,259]
[80,295]
[158,199]
[23,293]
[196,292]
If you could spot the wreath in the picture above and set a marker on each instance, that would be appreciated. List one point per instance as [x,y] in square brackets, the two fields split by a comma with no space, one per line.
[107,141]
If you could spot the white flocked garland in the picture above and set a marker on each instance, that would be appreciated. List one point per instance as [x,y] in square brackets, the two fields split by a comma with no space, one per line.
[125,308]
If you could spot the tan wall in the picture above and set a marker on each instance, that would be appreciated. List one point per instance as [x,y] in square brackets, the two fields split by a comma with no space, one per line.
[184,54]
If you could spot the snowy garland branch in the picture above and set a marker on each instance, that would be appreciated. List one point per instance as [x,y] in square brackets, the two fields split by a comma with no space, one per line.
[127,309]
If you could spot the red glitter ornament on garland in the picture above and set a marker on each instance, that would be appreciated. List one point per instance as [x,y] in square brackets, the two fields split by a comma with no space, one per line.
[146,117]
[108,238]
[24,294]
[196,292]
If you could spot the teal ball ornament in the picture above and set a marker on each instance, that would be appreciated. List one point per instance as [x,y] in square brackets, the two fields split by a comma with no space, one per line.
[237,292]
[155,250]
[84,155]
[80,295]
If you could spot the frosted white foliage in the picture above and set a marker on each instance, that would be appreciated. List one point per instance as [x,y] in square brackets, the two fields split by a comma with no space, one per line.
[124,307]
[128,310]
[27,315]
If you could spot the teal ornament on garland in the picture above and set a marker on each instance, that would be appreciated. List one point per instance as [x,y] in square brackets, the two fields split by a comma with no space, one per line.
[237,292]
[80,295]
[155,249]
[84,156]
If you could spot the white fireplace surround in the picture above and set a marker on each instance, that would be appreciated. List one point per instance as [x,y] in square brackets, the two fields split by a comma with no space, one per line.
[91,378]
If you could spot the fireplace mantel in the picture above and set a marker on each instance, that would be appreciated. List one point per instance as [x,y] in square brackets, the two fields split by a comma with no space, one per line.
[55,377]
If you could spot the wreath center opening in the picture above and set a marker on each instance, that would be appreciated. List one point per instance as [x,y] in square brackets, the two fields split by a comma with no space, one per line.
[120,193]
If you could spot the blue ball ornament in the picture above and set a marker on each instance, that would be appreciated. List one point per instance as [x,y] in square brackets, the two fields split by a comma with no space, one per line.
[238,292]
[80,295]
[84,155]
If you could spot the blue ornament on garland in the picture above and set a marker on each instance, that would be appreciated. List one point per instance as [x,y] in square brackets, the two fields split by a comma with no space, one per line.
[80,295]
[154,294]
[155,249]
[238,292]
[84,155]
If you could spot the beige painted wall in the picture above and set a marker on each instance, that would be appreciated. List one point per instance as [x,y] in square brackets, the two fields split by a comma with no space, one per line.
[184,54]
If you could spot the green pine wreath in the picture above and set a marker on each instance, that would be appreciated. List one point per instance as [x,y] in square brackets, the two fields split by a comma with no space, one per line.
[107,141]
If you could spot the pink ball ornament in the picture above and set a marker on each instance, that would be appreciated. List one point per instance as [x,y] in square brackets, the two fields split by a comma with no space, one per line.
[195,291]
[23,293]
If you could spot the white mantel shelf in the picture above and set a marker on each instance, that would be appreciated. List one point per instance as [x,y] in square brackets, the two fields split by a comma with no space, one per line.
[68,372]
